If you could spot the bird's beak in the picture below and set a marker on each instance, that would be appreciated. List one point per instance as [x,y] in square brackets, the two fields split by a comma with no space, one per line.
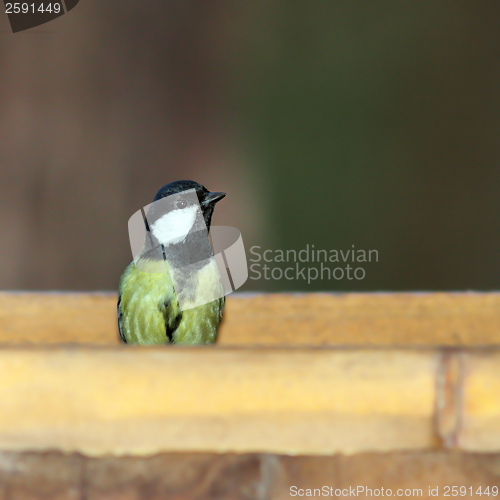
[212,199]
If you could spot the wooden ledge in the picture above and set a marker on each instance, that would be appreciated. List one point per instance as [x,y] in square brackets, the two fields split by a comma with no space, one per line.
[383,319]
[298,393]
[142,401]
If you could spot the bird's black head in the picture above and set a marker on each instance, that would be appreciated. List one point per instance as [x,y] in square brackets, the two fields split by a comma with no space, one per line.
[177,222]
[206,199]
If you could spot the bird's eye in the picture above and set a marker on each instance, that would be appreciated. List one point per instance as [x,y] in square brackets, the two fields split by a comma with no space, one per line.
[181,204]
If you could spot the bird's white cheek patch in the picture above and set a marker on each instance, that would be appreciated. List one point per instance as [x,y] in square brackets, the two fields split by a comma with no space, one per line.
[174,227]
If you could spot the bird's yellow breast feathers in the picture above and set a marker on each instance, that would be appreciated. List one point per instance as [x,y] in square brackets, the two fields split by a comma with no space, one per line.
[149,310]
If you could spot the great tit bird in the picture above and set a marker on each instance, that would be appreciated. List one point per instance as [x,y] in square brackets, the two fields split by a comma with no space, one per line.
[174,271]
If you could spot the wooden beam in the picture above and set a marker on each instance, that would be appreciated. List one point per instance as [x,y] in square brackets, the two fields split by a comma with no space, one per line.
[381,319]
[148,400]
[195,476]
[142,401]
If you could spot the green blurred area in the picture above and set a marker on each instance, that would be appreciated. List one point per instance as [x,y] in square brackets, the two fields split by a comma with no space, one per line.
[378,126]
[329,123]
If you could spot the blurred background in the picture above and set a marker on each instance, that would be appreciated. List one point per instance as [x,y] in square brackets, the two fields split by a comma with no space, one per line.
[328,123]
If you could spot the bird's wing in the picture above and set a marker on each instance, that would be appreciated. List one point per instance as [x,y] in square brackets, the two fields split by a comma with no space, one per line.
[172,315]
[148,311]
[120,316]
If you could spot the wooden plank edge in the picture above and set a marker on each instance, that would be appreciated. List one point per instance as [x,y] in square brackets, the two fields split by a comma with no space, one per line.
[319,319]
